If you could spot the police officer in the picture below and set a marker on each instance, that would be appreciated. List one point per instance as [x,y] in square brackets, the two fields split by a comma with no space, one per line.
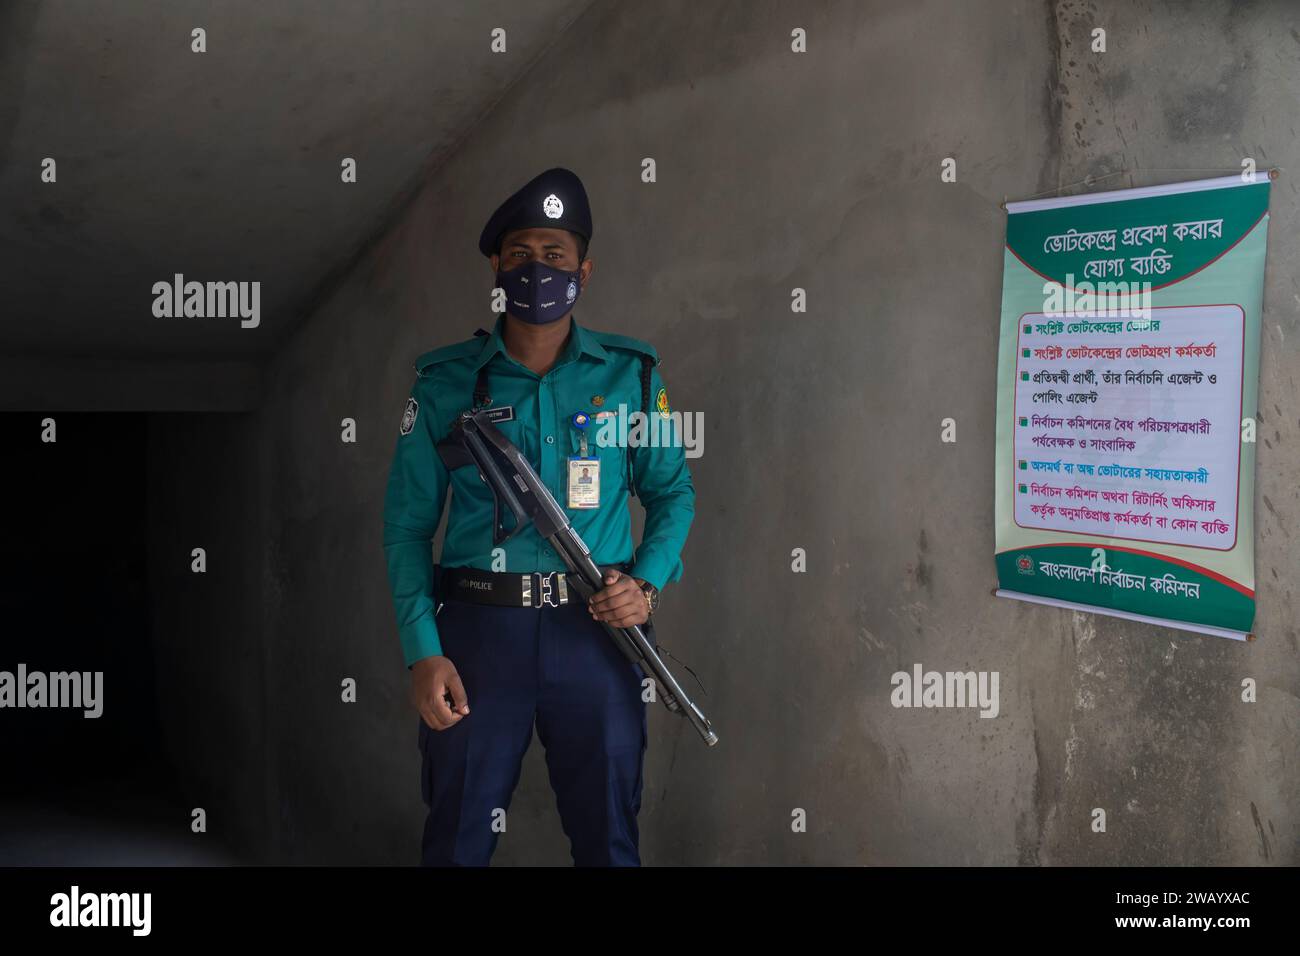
[496,640]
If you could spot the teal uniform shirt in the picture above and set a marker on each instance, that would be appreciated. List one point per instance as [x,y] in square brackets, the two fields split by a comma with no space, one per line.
[597,373]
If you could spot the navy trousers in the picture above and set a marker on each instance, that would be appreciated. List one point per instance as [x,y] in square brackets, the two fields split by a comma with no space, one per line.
[556,669]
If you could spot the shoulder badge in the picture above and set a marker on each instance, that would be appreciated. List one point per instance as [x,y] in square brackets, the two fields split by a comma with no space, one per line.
[661,403]
[408,417]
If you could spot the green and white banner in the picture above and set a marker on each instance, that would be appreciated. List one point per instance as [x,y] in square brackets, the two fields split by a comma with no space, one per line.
[1128,372]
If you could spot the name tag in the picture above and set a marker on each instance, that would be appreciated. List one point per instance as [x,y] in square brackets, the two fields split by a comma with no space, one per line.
[584,482]
[502,413]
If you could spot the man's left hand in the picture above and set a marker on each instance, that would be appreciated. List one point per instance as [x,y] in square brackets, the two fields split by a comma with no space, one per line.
[621,602]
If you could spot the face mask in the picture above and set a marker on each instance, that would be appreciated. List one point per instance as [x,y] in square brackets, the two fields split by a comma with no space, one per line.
[537,293]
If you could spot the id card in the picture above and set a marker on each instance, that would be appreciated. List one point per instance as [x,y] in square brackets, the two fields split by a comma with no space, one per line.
[584,482]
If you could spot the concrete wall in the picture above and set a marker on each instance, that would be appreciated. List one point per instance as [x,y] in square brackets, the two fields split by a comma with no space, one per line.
[822,432]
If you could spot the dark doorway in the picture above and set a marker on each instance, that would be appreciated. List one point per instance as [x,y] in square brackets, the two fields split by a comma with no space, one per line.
[74,598]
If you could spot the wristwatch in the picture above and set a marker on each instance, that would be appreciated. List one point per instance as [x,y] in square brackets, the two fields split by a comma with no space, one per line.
[651,595]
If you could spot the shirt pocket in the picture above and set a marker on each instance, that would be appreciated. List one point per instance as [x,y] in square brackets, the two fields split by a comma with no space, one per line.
[613,473]
[516,430]
[612,458]
[473,490]
[521,433]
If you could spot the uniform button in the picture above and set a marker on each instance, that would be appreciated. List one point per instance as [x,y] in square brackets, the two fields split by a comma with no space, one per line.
[550,439]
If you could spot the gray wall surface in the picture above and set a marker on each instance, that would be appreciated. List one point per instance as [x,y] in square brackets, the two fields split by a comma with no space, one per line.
[775,171]
[221,165]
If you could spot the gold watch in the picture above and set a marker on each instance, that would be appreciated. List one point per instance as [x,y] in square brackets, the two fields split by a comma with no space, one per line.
[651,596]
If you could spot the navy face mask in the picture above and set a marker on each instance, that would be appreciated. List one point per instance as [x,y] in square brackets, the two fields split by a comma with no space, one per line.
[537,293]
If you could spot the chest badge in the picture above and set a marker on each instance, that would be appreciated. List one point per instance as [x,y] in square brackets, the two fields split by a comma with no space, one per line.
[598,400]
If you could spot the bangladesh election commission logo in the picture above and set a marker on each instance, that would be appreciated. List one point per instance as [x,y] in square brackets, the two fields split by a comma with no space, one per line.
[1025,564]
[408,416]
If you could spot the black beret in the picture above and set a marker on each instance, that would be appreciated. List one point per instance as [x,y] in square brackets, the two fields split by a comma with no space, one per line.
[555,199]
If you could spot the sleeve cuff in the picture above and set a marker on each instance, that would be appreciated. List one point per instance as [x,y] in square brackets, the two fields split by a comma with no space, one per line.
[420,639]
[656,569]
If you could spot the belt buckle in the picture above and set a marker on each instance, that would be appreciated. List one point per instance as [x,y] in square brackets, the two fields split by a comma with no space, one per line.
[549,584]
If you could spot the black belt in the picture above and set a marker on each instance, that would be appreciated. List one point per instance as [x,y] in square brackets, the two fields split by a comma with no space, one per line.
[472,585]
[505,590]
[536,589]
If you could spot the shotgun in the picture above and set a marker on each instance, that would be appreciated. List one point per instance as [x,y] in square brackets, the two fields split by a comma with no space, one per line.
[474,439]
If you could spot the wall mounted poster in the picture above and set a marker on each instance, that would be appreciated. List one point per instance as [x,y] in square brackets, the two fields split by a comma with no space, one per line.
[1128,372]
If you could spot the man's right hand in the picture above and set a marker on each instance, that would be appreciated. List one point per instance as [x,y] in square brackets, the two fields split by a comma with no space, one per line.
[432,678]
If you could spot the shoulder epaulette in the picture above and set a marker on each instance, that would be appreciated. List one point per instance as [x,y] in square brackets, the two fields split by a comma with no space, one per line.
[448,353]
[610,340]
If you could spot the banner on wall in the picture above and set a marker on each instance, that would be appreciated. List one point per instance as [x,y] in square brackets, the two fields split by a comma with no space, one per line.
[1128,373]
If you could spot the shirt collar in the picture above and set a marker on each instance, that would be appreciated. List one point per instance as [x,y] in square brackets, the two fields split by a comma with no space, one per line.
[580,341]
[492,344]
